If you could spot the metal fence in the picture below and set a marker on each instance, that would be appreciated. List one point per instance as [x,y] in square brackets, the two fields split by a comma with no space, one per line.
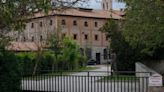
[85,82]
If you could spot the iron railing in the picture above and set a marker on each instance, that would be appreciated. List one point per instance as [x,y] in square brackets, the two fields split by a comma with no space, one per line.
[97,81]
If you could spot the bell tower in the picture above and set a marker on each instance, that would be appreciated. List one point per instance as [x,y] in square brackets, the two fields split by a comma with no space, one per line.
[107,5]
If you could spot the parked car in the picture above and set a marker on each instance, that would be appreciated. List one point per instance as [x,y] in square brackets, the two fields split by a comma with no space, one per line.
[109,61]
[91,62]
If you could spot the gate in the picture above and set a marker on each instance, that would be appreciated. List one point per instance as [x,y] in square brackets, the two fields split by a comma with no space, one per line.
[97,81]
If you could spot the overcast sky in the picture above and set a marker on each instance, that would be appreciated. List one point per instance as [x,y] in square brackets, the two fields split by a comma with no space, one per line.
[97,5]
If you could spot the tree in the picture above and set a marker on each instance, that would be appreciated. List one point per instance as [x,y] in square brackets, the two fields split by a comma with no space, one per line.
[144,25]
[71,54]
[126,56]
[14,15]
[66,52]
[55,43]
[15,12]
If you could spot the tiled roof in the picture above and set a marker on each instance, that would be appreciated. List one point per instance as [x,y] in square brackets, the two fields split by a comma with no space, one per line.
[22,46]
[83,13]
[119,12]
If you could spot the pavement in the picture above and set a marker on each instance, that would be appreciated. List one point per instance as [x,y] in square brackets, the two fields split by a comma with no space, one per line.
[81,82]
[101,70]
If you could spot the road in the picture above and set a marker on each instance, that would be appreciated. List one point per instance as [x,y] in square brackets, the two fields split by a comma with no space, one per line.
[100,71]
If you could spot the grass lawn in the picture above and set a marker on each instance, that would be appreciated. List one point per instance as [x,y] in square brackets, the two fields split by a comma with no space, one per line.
[119,78]
[49,75]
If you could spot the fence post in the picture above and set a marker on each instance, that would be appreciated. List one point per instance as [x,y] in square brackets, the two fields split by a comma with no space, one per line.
[88,74]
[88,81]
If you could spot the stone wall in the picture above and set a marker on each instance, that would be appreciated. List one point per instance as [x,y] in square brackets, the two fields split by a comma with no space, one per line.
[156,65]
[144,71]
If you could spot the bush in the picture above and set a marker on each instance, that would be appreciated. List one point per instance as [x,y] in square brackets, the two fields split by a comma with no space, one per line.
[10,76]
[26,61]
[70,59]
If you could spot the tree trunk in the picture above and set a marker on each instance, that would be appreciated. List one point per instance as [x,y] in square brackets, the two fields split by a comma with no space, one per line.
[38,58]
[35,67]
[54,65]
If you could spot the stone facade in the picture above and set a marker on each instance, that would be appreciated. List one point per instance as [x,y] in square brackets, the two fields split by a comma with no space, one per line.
[81,24]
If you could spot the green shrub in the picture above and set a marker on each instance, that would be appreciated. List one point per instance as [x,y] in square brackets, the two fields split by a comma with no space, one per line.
[70,59]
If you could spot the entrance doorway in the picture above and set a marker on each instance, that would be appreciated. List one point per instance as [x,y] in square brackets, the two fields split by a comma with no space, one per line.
[98,58]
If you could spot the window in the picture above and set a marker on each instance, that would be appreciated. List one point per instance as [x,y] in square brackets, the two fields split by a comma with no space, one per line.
[16,39]
[96,24]
[32,25]
[41,38]
[105,54]
[63,35]
[75,23]
[86,24]
[53,3]
[32,39]
[24,39]
[63,22]
[106,38]
[96,37]
[51,22]
[85,36]
[75,36]
[41,24]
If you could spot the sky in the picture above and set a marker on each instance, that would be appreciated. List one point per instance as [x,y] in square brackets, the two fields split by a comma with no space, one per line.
[97,5]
